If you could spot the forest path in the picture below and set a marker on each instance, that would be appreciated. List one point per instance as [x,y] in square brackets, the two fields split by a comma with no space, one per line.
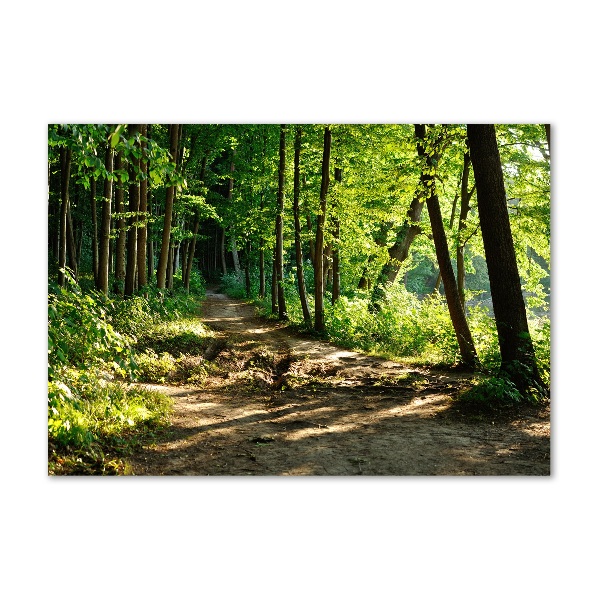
[281,404]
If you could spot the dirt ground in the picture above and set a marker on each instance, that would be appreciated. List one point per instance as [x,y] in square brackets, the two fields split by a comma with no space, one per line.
[277,403]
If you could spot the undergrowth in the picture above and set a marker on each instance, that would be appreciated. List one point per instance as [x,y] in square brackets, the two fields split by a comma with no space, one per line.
[417,330]
[99,350]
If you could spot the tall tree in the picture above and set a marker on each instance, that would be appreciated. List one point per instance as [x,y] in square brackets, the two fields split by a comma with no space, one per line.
[143,211]
[134,204]
[279,226]
[65,175]
[104,254]
[466,345]
[297,231]
[320,233]
[121,229]
[161,271]
[94,230]
[516,346]
[465,198]
[335,252]
[192,248]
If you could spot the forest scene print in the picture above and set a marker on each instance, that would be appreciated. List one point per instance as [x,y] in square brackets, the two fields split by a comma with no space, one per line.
[300,299]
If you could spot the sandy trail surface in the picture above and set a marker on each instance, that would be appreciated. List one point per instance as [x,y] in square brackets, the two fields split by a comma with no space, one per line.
[277,403]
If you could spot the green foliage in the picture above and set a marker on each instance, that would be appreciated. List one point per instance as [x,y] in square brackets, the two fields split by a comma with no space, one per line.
[233,285]
[493,394]
[182,336]
[85,407]
[80,335]
[153,367]
[94,343]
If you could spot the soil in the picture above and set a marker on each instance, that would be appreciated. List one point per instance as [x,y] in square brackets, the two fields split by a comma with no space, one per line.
[280,403]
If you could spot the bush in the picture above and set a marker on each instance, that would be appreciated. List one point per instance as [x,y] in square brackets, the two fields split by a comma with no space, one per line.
[491,395]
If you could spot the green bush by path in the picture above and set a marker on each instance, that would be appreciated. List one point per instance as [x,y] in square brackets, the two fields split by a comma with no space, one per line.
[97,348]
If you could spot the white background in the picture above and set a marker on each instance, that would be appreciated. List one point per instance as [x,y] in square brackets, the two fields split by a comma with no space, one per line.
[282,538]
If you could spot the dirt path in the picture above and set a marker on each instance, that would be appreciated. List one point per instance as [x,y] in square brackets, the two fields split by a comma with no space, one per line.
[280,404]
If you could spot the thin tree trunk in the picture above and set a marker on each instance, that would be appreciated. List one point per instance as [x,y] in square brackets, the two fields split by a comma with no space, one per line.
[547,128]
[65,174]
[311,241]
[438,279]
[143,210]
[234,252]
[104,256]
[247,269]
[457,315]
[94,230]
[134,205]
[297,230]
[319,237]
[335,265]
[192,248]
[516,347]
[261,268]
[222,252]
[161,272]
[274,284]
[71,247]
[465,198]
[122,233]
[261,257]
[279,225]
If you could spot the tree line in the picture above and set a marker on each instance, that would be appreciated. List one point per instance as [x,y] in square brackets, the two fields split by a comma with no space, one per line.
[311,213]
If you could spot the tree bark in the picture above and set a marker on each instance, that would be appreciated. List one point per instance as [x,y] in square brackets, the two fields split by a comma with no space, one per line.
[335,265]
[516,347]
[247,268]
[192,248]
[274,283]
[104,255]
[457,314]
[122,234]
[297,230]
[161,271]
[465,198]
[143,210]
[222,252]
[71,246]
[319,237]
[279,226]
[94,230]
[65,174]
[134,205]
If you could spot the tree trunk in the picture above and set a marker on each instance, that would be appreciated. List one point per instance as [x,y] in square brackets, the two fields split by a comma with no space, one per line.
[247,269]
[94,230]
[134,205]
[547,128]
[192,247]
[457,315]
[71,247]
[234,252]
[297,231]
[279,226]
[65,174]
[161,271]
[222,252]
[122,234]
[335,265]
[274,283]
[319,237]
[104,255]
[516,347]
[465,197]
[143,209]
